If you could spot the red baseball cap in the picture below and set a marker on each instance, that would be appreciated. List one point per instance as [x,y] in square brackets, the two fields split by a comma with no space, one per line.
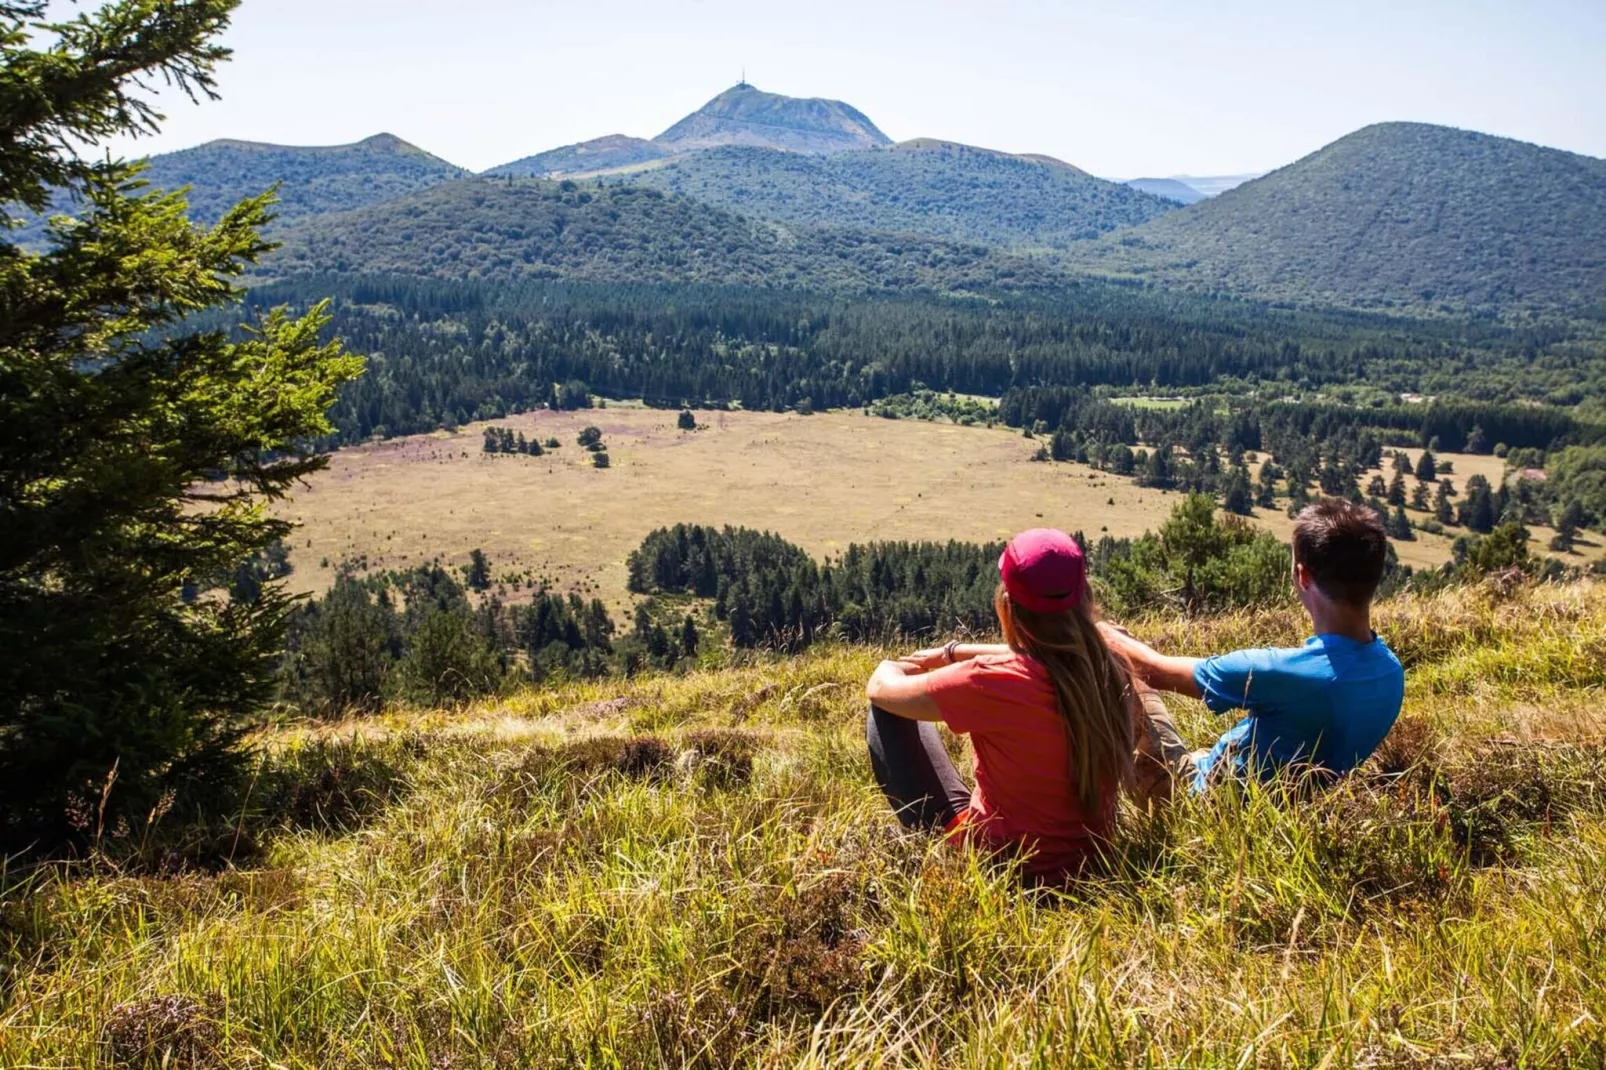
[1044,571]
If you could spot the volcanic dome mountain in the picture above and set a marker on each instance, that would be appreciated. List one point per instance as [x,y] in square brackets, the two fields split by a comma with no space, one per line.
[818,162]
[742,115]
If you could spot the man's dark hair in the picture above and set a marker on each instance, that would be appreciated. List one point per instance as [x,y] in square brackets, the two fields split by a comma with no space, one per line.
[1343,547]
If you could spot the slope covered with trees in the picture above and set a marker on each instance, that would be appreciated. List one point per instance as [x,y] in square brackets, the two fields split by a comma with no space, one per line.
[919,187]
[311,180]
[1396,214]
[314,180]
[508,229]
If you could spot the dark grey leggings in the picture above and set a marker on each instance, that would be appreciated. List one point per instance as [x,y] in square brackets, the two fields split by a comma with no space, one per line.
[914,771]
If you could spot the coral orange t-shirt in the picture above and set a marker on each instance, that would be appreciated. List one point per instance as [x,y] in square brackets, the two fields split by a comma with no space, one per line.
[1024,795]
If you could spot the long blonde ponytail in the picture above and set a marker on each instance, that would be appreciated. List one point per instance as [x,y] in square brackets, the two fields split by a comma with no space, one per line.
[1090,688]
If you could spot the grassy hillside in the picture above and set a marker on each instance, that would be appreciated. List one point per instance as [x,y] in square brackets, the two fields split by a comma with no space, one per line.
[1401,214]
[926,187]
[698,871]
[505,229]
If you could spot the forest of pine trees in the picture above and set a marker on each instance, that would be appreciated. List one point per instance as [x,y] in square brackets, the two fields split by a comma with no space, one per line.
[445,352]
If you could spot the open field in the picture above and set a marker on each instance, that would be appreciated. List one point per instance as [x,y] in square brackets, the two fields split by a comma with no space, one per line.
[698,871]
[821,481]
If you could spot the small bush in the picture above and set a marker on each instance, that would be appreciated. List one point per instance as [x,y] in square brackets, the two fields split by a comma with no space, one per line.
[723,757]
[163,1031]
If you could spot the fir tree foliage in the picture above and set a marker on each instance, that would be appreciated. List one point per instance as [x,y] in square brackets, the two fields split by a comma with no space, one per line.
[137,452]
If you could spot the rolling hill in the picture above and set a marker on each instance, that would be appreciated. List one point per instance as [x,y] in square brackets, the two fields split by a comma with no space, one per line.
[1169,188]
[598,154]
[319,179]
[1393,215]
[928,187]
[507,228]
[1215,185]
[314,180]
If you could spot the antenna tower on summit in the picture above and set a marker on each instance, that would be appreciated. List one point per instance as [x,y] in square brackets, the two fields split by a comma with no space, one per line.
[743,83]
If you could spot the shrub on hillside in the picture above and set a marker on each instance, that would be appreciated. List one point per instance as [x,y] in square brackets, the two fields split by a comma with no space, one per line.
[1199,562]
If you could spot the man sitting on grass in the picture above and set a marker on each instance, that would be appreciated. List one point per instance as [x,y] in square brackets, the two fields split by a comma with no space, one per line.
[1322,707]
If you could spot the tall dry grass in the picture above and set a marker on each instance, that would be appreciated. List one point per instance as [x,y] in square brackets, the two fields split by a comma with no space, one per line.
[697,870]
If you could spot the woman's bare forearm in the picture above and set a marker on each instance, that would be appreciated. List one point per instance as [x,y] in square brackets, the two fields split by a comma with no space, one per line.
[966,651]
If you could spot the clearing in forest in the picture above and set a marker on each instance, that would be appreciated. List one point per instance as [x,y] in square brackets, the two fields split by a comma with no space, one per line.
[821,481]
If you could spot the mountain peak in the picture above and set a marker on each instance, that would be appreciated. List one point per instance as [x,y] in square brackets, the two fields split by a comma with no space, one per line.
[746,115]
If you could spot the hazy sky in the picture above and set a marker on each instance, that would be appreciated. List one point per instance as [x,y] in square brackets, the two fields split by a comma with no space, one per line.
[1121,87]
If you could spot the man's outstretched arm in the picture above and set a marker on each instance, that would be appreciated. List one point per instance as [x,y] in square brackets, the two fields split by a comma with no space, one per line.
[1154,668]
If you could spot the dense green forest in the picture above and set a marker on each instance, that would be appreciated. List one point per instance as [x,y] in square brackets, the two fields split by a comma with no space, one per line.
[445,352]
[928,187]
[1396,214]
[510,229]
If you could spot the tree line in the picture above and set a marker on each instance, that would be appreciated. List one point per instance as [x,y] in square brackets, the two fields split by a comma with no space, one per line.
[771,594]
[445,352]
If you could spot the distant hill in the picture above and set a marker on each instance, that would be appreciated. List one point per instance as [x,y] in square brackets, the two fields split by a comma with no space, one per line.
[1169,188]
[926,187]
[320,179]
[1215,185]
[744,115]
[1394,215]
[508,228]
[313,179]
[599,154]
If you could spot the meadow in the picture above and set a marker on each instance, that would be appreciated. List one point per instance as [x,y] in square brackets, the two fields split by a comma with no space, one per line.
[697,870]
[820,481]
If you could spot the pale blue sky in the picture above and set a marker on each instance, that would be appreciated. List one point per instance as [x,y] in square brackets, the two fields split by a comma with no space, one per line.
[1121,89]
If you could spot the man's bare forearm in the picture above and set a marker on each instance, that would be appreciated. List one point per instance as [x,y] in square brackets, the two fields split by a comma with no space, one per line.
[1158,670]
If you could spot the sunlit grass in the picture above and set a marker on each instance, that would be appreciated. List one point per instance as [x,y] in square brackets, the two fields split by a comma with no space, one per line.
[698,870]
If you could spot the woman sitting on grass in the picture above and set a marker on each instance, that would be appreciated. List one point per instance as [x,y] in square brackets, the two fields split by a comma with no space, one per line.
[1052,716]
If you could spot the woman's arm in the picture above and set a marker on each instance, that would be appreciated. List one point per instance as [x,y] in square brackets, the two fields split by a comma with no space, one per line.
[935,657]
[900,688]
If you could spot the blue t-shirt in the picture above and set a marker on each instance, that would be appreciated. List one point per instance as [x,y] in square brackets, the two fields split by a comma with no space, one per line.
[1327,704]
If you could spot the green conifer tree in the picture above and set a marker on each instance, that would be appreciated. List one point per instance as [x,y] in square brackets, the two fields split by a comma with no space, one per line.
[478,572]
[1396,491]
[118,418]
[1426,468]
